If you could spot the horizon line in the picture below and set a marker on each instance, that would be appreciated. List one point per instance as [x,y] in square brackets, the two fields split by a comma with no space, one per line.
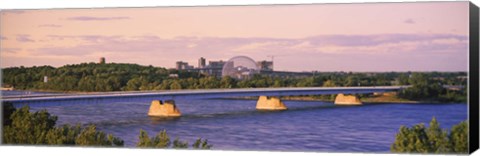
[312,71]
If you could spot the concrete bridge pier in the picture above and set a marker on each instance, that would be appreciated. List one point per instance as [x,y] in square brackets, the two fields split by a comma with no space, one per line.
[163,109]
[342,99]
[270,103]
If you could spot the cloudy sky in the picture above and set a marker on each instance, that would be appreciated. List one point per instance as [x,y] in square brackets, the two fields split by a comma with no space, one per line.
[328,37]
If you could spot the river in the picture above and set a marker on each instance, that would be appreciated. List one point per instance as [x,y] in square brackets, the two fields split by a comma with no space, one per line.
[236,125]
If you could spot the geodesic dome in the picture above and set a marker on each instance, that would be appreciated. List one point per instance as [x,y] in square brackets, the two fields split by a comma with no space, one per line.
[240,67]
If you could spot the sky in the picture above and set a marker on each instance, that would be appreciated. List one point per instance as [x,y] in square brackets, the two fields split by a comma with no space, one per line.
[426,36]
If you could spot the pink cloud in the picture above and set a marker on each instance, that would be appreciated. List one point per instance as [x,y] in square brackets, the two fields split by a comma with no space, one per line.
[24,38]
[50,25]
[90,18]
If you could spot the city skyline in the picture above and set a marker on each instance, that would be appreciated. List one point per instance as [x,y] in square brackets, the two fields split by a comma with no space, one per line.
[326,37]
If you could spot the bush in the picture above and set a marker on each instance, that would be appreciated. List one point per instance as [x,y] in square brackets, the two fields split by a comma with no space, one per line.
[162,140]
[38,128]
[199,144]
[433,139]
[91,137]
[28,128]
[459,138]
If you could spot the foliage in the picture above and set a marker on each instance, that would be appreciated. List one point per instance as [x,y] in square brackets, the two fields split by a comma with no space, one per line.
[425,87]
[201,144]
[433,139]
[91,137]
[162,140]
[64,135]
[179,144]
[8,110]
[459,138]
[39,128]
[28,128]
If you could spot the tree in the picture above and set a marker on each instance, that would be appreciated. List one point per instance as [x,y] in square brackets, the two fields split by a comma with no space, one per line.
[28,128]
[161,140]
[227,82]
[459,138]
[201,144]
[133,84]
[437,137]
[175,85]
[39,128]
[433,139]
[411,140]
[352,80]
[179,144]
[65,135]
[91,137]
[144,140]
[329,83]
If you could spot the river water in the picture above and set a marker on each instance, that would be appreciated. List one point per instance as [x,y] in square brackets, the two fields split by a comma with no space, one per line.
[236,125]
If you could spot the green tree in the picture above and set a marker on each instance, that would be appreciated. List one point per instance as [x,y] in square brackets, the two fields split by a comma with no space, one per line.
[28,128]
[91,137]
[65,135]
[433,139]
[179,144]
[134,84]
[144,140]
[459,138]
[175,85]
[39,128]
[227,82]
[329,83]
[411,140]
[201,144]
[437,137]
[161,140]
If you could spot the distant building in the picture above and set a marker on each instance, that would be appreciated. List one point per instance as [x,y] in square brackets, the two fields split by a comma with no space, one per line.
[102,60]
[201,62]
[45,79]
[182,65]
[214,68]
[265,65]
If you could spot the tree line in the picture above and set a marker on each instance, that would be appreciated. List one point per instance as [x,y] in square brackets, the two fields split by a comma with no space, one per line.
[92,77]
[22,127]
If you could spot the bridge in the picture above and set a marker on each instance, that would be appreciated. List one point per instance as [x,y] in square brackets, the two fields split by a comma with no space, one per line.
[268,97]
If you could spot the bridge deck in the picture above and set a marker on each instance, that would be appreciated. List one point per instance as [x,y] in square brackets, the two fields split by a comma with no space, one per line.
[201,93]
